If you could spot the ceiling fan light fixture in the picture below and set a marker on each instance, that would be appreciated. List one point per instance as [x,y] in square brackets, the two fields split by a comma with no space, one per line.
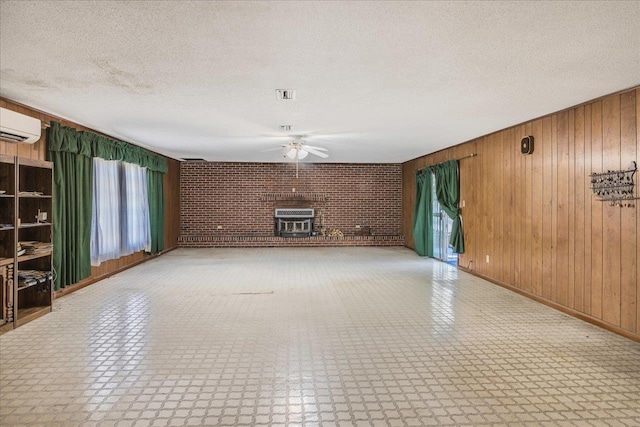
[292,153]
[302,154]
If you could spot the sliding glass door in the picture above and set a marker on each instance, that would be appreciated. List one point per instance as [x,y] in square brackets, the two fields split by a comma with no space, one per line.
[442,225]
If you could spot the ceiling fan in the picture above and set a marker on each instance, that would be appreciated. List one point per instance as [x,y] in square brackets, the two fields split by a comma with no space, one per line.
[297,150]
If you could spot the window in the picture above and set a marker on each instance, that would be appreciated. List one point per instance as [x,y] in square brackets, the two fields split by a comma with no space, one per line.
[120,215]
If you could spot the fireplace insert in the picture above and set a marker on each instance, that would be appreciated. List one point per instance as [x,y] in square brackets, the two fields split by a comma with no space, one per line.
[293,222]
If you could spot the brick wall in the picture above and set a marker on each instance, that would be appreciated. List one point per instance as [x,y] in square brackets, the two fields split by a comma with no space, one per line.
[232,195]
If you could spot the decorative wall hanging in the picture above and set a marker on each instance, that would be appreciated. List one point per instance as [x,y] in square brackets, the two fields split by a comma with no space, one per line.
[615,187]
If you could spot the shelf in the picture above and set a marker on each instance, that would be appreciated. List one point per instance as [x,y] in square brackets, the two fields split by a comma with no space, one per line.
[34,224]
[6,261]
[20,288]
[44,196]
[34,256]
[35,163]
[7,196]
[6,228]
[9,160]
[26,315]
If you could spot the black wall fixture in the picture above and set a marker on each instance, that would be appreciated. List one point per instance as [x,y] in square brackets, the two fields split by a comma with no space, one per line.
[526,145]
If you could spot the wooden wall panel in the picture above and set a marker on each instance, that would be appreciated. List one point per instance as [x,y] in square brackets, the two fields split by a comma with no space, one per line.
[571,209]
[545,233]
[553,289]
[527,174]
[637,117]
[596,214]
[611,219]
[629,233]
[171,184]
[545,147]
[637,99]
[580,185]
[562,227]
[587,212]
[521,274]
[537,224]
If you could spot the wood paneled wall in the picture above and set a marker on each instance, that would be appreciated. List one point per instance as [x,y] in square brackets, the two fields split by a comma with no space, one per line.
[535,217]
[171,186]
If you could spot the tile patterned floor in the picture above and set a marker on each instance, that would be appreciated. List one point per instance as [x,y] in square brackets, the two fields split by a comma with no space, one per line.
[311,336]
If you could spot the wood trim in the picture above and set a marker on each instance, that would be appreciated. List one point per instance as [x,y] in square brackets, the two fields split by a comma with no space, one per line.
[32,314]
[93,279]
[6,328]
[594,321]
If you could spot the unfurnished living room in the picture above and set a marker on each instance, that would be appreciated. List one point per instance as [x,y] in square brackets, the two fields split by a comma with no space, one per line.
[319,213]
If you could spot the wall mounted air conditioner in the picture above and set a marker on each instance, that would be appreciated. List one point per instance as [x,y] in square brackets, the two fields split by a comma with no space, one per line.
[16,127]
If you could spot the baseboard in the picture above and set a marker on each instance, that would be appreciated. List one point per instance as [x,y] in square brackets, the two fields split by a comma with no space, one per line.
[6,327]
[571,312]
[91,280]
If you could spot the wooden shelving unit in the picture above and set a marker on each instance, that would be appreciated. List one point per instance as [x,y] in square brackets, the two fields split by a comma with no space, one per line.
[22,219]
[7,241]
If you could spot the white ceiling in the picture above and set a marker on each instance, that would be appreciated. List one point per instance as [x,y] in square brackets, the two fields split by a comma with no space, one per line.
[376,81]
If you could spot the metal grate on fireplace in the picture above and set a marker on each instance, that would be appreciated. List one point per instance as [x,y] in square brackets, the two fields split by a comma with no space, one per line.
[294,213]
[293,222]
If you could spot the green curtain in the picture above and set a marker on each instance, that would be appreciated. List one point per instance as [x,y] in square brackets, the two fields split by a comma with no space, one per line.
[448,194]
[72,155]
[423,215]
[156,209]
[72,194]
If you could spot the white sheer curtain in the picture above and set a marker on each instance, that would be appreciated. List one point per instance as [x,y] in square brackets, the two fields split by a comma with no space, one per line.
[120,218]
[136,229]
[105,217]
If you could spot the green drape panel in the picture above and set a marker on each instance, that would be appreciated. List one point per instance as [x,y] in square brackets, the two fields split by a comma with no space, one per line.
[423,215]
[448,194]
[156,210]
[93,145]
[72,194]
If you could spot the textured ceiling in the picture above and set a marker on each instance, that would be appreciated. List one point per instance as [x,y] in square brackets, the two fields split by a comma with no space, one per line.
[376,82]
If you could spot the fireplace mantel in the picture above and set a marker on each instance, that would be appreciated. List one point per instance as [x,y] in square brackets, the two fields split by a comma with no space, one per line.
[293,197]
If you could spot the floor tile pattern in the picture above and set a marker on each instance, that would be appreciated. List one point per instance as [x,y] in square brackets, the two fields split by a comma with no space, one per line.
[313,337]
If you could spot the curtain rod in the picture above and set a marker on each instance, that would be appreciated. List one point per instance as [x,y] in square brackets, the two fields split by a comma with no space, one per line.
[461,158]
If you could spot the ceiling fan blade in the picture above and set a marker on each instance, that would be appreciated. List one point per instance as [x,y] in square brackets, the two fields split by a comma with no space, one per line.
[313,147]
[274,149]
[317,153]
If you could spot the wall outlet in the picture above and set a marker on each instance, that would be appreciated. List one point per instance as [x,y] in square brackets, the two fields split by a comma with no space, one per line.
[220,228]
[357,226]
[487,259]
[463,204]
[293,190]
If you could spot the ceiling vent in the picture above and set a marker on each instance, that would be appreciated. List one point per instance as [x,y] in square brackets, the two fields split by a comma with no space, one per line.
[16,127]
[286,93]
[285,127]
